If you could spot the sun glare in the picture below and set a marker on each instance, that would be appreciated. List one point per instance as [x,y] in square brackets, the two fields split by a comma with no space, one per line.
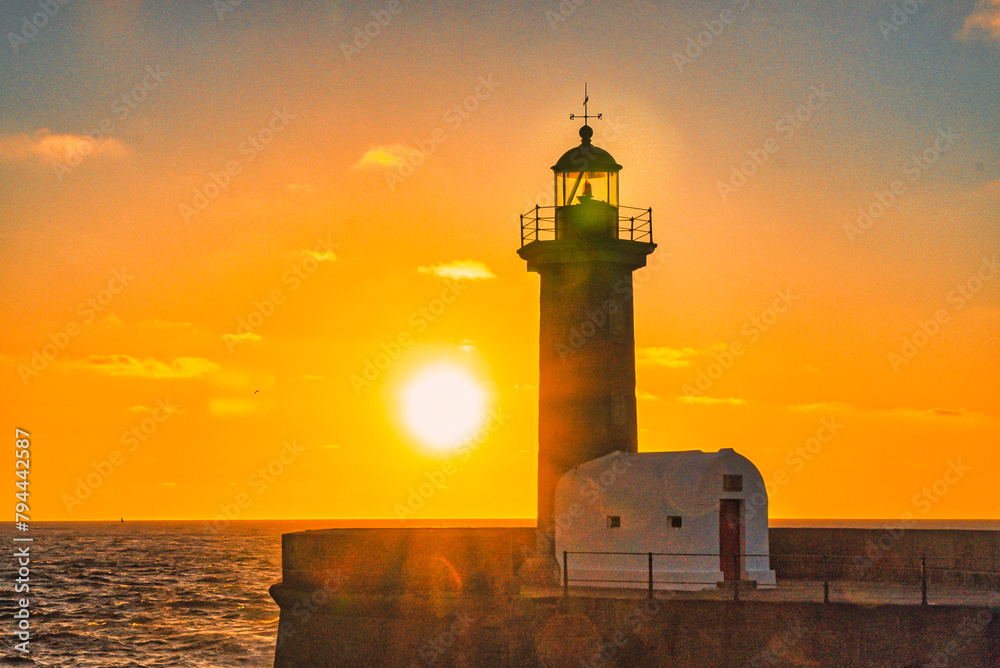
[443,404]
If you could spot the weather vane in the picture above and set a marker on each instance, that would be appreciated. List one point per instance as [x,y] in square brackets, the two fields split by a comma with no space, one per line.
[586,98]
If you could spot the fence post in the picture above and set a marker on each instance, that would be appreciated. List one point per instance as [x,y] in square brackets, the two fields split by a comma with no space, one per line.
[736,582]
[826,578]
[536,222]
[650,575]
[565,575]
[923,579]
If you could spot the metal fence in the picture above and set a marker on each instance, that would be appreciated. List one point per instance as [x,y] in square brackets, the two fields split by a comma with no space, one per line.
[907,573]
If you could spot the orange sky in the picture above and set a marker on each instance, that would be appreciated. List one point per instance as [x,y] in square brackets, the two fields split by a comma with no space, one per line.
[213,222]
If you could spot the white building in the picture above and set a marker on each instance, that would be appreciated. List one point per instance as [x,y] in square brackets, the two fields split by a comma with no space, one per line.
[706,510]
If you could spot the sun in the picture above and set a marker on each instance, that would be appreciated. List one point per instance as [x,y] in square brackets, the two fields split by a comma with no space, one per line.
[443,404]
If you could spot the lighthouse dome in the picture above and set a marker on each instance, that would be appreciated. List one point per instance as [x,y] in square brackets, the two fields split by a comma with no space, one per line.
[586,157]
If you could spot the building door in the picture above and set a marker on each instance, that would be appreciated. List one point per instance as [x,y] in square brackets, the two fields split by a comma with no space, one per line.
[730,536]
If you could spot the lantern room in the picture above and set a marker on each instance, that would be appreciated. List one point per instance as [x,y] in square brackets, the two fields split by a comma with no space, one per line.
[586,191]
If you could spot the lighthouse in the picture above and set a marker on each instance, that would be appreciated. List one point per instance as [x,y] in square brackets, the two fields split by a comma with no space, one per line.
[585,249]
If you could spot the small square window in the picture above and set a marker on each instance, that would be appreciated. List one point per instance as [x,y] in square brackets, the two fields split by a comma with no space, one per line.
[614,521]
[674,521]
[732,483]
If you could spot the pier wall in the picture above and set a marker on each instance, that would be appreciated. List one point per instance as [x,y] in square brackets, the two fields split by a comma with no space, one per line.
[468,560]
[967,558]
[486,632]
[452,597]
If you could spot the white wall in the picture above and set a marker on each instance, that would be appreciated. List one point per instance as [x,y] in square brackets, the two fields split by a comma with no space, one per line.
[644,489]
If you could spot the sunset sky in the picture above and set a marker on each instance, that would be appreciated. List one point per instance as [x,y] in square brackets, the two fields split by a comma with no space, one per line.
[216,217]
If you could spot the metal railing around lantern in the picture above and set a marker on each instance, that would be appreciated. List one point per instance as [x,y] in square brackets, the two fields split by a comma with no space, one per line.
[634,224]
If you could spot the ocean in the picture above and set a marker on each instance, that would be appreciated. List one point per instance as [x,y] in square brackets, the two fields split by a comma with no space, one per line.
[149,594]
[116,594]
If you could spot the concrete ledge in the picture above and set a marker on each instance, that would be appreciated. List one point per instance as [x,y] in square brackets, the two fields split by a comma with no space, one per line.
[467,560]
[457,630]
[968,558]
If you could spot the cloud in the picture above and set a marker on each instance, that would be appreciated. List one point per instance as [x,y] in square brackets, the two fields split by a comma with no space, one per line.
[983,23]
[241,338]
[823,406]
[935,413]
[470,269]
[384,156]
[124,365]
[322,256]
[139,409]
[668,357]
[167,325]
[642,394]
[46,146]
[905,412]
[712,401]
[309,376]
[946,412]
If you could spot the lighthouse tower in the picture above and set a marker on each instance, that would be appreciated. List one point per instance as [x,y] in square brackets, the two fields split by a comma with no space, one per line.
[585,249]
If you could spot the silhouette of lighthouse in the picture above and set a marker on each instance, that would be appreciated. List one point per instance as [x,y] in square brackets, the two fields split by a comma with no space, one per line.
[585,249]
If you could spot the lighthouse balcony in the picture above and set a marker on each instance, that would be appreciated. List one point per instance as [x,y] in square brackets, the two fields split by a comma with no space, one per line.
[587,220]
